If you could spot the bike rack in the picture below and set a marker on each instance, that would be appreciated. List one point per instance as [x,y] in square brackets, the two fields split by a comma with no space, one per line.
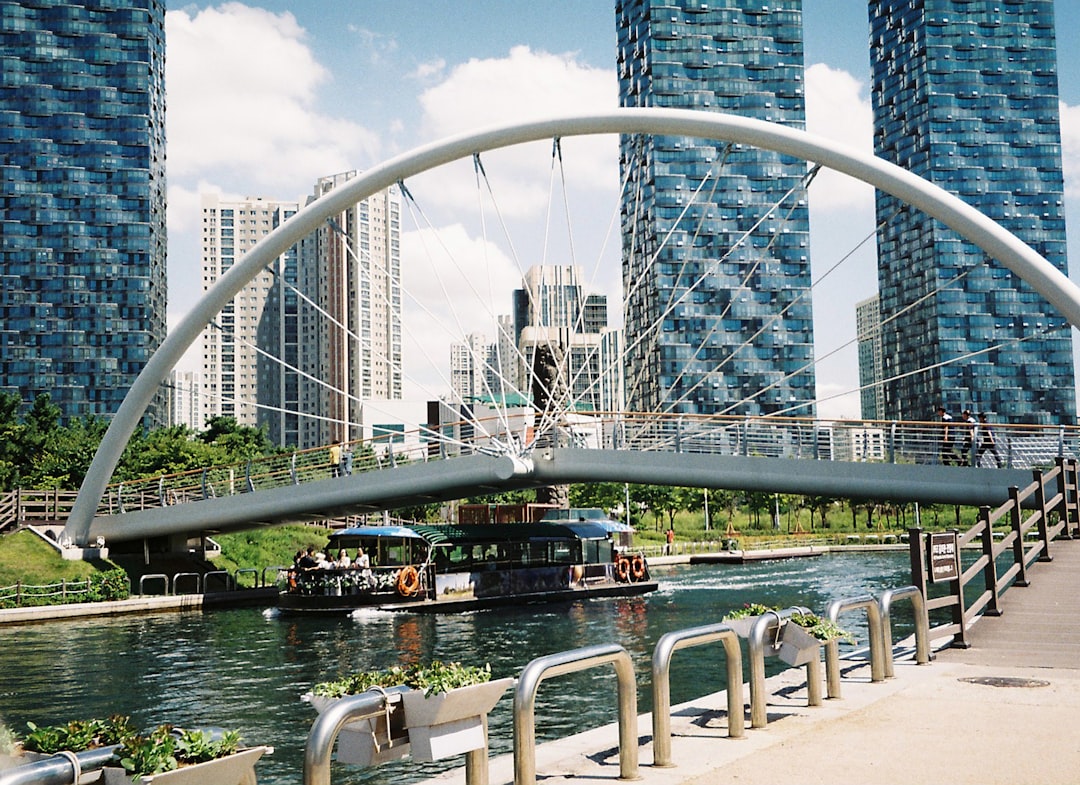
[877,641]
[661,683]
[569,662]
[922,625]
[765,623]
[154,576]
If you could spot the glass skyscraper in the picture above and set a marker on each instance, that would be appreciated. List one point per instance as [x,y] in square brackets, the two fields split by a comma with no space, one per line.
[965,95]
[82,199]
[716,269]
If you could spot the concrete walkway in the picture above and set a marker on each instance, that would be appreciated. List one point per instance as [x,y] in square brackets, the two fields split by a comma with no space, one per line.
[1004,711]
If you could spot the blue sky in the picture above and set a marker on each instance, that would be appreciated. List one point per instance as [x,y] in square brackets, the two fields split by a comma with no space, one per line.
[263,98]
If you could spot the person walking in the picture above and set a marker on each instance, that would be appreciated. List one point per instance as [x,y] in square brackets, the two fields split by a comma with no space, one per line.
[970,427]
[987,442]
[335,460]
[947,448]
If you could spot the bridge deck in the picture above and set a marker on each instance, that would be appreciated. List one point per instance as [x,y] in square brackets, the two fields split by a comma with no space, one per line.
[929,724]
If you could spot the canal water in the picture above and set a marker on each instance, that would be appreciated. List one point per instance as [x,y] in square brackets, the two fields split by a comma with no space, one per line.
[245,669]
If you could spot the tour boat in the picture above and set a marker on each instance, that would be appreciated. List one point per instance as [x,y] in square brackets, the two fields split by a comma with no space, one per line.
[457,567]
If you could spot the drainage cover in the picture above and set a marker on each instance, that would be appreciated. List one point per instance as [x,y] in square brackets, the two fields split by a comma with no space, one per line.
[1005,681]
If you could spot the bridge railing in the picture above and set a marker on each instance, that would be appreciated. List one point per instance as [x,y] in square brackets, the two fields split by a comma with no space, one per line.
[1019,532]
[1012,446]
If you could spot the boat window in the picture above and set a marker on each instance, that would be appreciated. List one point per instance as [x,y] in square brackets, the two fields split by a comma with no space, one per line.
[563,552]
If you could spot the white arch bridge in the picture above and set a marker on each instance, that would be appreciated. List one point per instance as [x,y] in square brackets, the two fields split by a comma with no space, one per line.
[768,455]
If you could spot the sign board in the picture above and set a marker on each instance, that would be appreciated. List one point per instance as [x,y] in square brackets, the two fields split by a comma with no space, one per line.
[943,556]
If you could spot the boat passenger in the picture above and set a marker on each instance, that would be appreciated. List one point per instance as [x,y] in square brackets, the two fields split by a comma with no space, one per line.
[308,560]
[363,563]
[342,562]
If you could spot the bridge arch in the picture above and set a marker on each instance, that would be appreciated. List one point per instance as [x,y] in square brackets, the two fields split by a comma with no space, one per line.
[965,220]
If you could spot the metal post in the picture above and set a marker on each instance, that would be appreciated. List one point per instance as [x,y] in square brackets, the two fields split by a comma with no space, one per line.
[877,641]
[990,570]
[765,623]
[324,731]
[568,662]
[661,684]
[922,625]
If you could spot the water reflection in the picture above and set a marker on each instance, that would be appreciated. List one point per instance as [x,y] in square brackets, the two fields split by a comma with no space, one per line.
[246,669]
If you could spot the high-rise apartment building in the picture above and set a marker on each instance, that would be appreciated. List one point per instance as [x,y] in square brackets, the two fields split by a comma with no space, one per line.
[185,400]
[716,270]
[251,352]
[82,200]
[351,267]
[552,311]
[871,370]
[965,95]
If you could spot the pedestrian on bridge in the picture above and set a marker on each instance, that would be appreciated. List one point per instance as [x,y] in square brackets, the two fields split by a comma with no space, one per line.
[947,448]
[335,460]
[970,427]
[987,442]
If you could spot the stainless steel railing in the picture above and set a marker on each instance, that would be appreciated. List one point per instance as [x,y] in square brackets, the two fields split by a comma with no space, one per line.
[922,625]
[569,662]
[661,683]
[876,634]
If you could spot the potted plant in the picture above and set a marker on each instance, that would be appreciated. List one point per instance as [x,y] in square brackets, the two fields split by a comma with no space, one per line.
[44,741]
[741,620]
[170,756]
[803,634]
[443,714]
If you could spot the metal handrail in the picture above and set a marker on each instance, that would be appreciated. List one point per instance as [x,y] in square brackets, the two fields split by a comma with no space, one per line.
[324,731]
[230,583]
[198,581]
[61,769]
[661,682]
[247,571]
[922,625]
[569,662]
[877,641]
[770,622]
[154,575]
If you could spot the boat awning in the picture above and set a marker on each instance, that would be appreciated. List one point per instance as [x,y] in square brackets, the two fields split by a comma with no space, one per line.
[463,534]
[376,531]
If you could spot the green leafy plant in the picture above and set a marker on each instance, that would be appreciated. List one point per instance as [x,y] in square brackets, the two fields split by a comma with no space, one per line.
[166,748]
[748,610]
[78,735]
[820,628]
[151,754]
[434,678]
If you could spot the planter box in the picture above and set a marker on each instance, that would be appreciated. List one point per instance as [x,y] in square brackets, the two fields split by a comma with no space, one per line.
[370,747]
[797,646]
[450,723]
[238,769]
[742,626]
[371,741]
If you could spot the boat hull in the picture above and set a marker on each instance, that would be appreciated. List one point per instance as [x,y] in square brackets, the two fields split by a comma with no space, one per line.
[292,603]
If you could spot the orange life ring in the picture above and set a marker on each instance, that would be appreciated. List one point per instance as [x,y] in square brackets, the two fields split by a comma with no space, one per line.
[637,567]
[408,581]
[622,569]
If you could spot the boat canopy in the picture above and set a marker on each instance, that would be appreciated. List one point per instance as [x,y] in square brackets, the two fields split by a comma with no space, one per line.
[376,531]
[461,534]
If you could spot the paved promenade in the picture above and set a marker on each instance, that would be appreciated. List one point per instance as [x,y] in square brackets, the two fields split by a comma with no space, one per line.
[1003,711]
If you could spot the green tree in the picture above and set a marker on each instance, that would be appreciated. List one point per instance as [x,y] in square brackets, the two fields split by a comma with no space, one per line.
[11,457]
[605,495]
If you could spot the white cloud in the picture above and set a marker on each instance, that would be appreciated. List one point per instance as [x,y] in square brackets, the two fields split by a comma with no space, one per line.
[523,85]
[454,284]
[1070,148]
[242,92]
[838,108]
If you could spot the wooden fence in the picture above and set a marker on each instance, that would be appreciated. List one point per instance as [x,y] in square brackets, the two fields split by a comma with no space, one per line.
[1018,533]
